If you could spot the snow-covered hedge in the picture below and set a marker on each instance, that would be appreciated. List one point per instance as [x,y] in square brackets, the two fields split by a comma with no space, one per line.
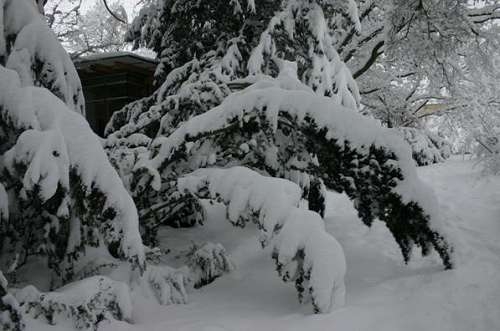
[303,251]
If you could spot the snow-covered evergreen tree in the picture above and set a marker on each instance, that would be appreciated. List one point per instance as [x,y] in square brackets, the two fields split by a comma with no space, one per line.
[271,95]
[63,195]
[62,204]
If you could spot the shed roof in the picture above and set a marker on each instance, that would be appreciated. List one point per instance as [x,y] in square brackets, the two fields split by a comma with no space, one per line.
[104,63]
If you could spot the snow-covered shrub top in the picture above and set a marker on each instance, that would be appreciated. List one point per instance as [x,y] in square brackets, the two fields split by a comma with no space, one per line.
[59,152]
[207,262]
[304,252]
[28,46]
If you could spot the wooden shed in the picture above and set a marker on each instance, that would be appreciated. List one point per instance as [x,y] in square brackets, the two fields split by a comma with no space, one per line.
[110,81]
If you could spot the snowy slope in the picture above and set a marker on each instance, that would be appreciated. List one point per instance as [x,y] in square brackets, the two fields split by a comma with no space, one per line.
[382,293]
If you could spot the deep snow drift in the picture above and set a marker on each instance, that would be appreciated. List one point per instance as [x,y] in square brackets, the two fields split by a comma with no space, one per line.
[382,293]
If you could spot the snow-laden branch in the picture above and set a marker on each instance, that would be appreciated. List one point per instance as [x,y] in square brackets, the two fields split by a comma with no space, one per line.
[349,152]
[36,54]
[484,14]
[57,147]
[303,251]
[287,95]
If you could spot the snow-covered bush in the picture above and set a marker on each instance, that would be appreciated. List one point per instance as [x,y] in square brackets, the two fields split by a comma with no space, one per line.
[207,262]
[81,304]
[427,148]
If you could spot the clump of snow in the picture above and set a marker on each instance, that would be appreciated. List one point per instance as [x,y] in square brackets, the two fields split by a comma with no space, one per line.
[46,155]
[168,285]
[303,251]
[207,262]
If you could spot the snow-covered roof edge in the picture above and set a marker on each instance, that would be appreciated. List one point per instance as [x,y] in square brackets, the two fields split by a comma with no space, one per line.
[112,55]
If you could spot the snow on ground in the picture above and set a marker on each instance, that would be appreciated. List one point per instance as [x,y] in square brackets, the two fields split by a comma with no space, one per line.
[382,293]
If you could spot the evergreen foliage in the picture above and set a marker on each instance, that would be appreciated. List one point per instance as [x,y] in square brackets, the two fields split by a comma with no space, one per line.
[11,317]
